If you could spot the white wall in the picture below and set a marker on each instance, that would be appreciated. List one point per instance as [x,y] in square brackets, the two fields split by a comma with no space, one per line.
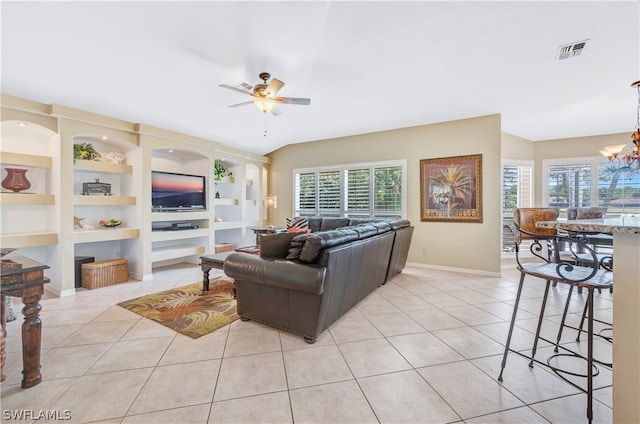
[472,246]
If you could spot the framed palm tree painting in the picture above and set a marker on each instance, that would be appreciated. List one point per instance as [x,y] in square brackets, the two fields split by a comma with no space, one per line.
[451,189]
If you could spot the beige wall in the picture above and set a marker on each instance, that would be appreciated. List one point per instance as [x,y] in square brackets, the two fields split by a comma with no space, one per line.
[448,245]
[516,148]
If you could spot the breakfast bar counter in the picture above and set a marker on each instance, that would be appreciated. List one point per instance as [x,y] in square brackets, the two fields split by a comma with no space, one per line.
[626,306]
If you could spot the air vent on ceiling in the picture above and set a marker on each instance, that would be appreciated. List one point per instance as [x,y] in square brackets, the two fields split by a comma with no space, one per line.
[567,51]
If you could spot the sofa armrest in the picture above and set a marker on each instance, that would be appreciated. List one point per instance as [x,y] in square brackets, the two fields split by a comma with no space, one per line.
[308,278]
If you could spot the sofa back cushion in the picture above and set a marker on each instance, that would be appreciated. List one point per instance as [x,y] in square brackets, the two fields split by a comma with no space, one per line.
[333,223]
[275,245]
[324,239]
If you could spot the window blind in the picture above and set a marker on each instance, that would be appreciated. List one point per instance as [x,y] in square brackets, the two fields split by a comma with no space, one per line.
[569,185]
[357,190]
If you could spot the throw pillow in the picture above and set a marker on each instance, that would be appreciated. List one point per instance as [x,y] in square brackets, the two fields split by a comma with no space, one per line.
[275,245]
[296,245]
[297,224]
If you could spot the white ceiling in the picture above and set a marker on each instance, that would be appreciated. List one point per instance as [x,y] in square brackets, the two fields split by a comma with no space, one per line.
[367,66]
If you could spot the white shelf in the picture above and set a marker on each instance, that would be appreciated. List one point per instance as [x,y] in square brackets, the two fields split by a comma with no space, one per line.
[178,234]
[19,240]
[179,216]
[97,166]
[95,200]
[25,159]
[225,180]
[27,199]
[228,225]
[176,251]
[225,202]
[105,234]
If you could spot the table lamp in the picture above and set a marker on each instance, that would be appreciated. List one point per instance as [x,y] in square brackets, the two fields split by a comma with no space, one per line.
[271,202]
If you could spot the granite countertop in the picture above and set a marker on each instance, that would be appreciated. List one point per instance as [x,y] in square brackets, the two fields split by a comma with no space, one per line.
[629,224]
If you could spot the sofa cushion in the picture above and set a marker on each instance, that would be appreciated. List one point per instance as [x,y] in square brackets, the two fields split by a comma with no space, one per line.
[275,245]
[365,230]
[314,224]
[382,226]
[333,223]
[324,239]
[399,223]
[295,247]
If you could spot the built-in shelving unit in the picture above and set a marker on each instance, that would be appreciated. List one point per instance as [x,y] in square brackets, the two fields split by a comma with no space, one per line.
[45,219]
[181,235]
[28,216]
[120,188]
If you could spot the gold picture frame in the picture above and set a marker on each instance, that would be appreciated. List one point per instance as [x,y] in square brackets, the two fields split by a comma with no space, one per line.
[451,189]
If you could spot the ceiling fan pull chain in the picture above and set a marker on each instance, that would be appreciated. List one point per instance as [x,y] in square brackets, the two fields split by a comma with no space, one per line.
[265,123]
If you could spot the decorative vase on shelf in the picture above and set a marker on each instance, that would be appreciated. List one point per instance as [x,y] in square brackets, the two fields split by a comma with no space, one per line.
[16,180]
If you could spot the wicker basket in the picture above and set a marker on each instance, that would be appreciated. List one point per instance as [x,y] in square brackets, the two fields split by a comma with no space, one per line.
[104,273]
[223,247]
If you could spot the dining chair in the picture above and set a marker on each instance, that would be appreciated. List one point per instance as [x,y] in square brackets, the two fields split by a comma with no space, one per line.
[544,262]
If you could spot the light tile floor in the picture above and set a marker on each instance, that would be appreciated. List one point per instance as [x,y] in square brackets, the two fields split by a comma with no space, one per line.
[426,347]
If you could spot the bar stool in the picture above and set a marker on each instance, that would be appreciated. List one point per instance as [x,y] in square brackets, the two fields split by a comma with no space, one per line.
[549,267]
[605,260]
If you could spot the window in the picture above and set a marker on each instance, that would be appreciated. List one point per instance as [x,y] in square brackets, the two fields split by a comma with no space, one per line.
[358,190]
[517,192]
[590,182]
[517,187]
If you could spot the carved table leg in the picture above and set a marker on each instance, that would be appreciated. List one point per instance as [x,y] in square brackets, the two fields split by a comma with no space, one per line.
[206,267]
[31,336]
[3,336]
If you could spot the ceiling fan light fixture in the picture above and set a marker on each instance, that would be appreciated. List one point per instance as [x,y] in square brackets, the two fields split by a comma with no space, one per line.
[264,104]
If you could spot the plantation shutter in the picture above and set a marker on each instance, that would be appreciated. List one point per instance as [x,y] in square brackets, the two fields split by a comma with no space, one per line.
[306,192]
[387,191]
[358,190]
[569,186]
[329,191]
[366,190]
[517,188]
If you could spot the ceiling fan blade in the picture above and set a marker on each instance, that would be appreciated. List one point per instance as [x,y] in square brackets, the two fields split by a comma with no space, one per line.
[239,90]
[276,111]
[293,100]
[242,104]
[274,86]
[247,86]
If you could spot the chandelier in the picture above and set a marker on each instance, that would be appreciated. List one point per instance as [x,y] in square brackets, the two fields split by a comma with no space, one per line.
[631,160]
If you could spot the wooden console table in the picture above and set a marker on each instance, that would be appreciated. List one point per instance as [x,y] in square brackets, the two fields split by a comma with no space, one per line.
[24,277]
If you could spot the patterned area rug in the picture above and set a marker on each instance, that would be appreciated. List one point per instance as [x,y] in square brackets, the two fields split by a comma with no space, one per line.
[188,310]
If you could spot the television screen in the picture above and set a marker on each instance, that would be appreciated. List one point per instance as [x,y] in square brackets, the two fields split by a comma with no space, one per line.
[177,192]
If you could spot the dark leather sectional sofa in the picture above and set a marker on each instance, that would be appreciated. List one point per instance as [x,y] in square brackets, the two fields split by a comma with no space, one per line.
[304,282]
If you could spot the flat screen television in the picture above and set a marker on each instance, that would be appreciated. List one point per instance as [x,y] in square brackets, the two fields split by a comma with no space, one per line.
[177,192]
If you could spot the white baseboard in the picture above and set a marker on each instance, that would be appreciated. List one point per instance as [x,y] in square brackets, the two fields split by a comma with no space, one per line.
[452,269]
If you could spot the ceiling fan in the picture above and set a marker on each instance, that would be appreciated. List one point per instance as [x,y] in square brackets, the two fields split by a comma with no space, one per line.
[264,95]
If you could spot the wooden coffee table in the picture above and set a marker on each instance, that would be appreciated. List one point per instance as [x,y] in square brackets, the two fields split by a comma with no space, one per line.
[208,262]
